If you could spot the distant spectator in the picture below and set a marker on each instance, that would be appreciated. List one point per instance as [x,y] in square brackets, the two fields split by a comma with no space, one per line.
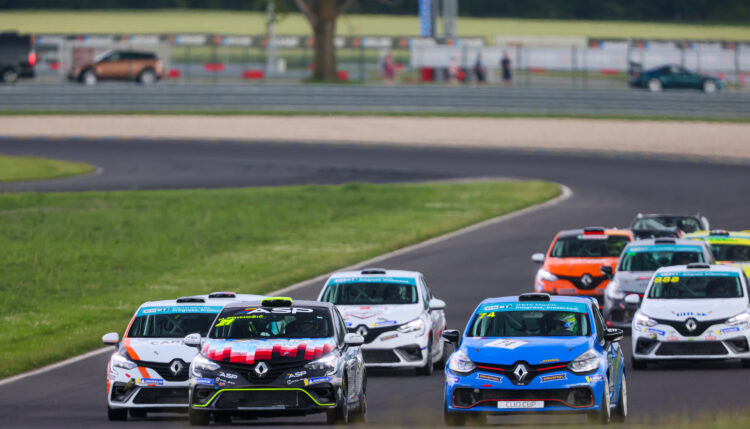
[505,66]
[389,69]
[453,70]
[479,69]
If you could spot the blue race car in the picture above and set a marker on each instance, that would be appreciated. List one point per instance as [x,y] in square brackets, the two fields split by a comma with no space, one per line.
[535,353]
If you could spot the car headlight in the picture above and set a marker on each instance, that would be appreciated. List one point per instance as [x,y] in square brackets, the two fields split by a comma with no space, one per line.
[643,321]
[461,363]
[416,325]
[201,363]
[328,364]
[742,319]
[586,362]
[546,275]
[120,361]
[614,291]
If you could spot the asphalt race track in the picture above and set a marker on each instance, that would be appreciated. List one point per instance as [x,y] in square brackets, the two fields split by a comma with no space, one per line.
[489,262]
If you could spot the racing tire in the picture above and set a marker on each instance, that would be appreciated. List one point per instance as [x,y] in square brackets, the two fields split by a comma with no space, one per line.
[9,75]
[428,367]
[89,77]
[621,411]
[709,86]
[340,414]
[360,416]
[654,85]
[602,417]
[138,413]
[117,414]
[638,363]
[198,418]
[147,77]
[745,363]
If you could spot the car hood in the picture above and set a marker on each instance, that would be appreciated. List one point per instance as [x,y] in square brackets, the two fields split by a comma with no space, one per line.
[699,309]
[273,350]
[378,316]
[579,266]
[633,281]
[532,350]
[162,350]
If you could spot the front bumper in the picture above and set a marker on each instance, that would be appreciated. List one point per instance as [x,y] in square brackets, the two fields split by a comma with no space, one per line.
[265,399]
[719,342]
[485,393]
[132,392]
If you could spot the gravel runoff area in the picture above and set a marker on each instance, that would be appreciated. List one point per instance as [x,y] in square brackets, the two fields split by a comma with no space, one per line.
[688,138]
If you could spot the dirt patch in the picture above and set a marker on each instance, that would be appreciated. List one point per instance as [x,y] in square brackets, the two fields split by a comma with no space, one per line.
[704,139]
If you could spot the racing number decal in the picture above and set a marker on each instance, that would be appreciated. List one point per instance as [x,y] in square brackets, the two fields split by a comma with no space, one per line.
[483,315]
[666,279]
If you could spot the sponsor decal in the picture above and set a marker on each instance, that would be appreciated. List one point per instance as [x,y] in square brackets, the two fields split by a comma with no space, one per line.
[663,248]
[275,310]
[710,338]
[567,291]
[506,343]
[452,379]
[384,323]
[673,339]
[656,331]
[690,313]
[388,337]
[556,377]
[227,375]
[349,324]
[150,382]
[208,381]
[309,381]
[729,330]
[575,307]
[550,360]
[594,378]
[374,279]
[296,374]
[179,309]
[489,377]
[677,274]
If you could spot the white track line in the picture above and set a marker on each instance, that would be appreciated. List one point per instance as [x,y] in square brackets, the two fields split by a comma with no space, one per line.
[565,193]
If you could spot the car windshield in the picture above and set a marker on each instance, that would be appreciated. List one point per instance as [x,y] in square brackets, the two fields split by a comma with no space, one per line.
[589,246]
[683,223]
[273,322]
[696,285]
[651,259]
[172,322]
[365,293]
[530,320]
[731,252]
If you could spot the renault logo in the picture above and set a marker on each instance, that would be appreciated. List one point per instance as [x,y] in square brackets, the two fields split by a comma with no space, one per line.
[176,366]
[261,369]
[521,372]
[691,325]
[586,280]
[362,331]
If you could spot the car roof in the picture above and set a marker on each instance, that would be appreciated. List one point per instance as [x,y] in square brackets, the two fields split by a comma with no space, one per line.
[720,268]
[207,300]
[579,231]
[295,303]
[381,272]
[652,242]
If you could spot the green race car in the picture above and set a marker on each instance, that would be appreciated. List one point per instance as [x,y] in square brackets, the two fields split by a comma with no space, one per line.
[729,248]
[674,76]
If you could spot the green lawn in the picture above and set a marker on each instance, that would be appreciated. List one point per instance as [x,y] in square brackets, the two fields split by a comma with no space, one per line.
[28,168]
[74,266]
[168,21]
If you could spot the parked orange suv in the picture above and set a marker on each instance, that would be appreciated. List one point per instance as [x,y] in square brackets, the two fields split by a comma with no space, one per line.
[143,67]
[576,262]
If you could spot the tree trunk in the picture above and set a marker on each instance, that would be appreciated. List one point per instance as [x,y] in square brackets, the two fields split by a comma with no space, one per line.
[324,32]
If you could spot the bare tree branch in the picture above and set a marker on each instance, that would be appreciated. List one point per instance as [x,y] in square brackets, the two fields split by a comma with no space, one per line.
[305,9]
[345,6]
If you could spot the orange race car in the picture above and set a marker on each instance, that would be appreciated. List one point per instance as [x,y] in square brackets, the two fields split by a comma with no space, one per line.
[579,261]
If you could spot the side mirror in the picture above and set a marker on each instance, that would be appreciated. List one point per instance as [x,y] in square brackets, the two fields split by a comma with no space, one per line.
[612,335]
[353,339]
[111,339]
[537,257]
[192,340]
[607,271]
[437,304]
[633,299]
[452,335]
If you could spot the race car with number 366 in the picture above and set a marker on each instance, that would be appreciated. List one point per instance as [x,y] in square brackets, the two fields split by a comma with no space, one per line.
[148,371]
[535,353]
[396,314]
[277,357]
[693,312]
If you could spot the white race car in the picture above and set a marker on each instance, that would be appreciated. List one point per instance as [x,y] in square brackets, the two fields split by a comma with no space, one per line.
[395,312]
[149,369]
[694,311]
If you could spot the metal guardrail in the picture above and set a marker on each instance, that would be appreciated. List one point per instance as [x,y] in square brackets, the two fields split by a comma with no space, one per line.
[371,98]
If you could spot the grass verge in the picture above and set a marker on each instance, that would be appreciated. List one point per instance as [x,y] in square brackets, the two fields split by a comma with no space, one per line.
[74,266]
[239,22]
[14,168]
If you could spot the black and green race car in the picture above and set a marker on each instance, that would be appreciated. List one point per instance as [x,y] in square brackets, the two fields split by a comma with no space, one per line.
[672,77]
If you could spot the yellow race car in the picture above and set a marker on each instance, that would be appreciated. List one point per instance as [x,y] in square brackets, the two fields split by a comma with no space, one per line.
[728,247]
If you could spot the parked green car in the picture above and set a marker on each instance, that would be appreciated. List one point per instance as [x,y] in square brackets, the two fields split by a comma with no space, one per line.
[674,76]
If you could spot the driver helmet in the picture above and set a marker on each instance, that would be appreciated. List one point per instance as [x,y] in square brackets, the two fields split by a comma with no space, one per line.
[565,322]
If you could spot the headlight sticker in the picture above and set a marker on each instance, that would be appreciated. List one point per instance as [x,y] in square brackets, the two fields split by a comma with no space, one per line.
[207,381]
[556,377]
[729,330]
[452,379]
